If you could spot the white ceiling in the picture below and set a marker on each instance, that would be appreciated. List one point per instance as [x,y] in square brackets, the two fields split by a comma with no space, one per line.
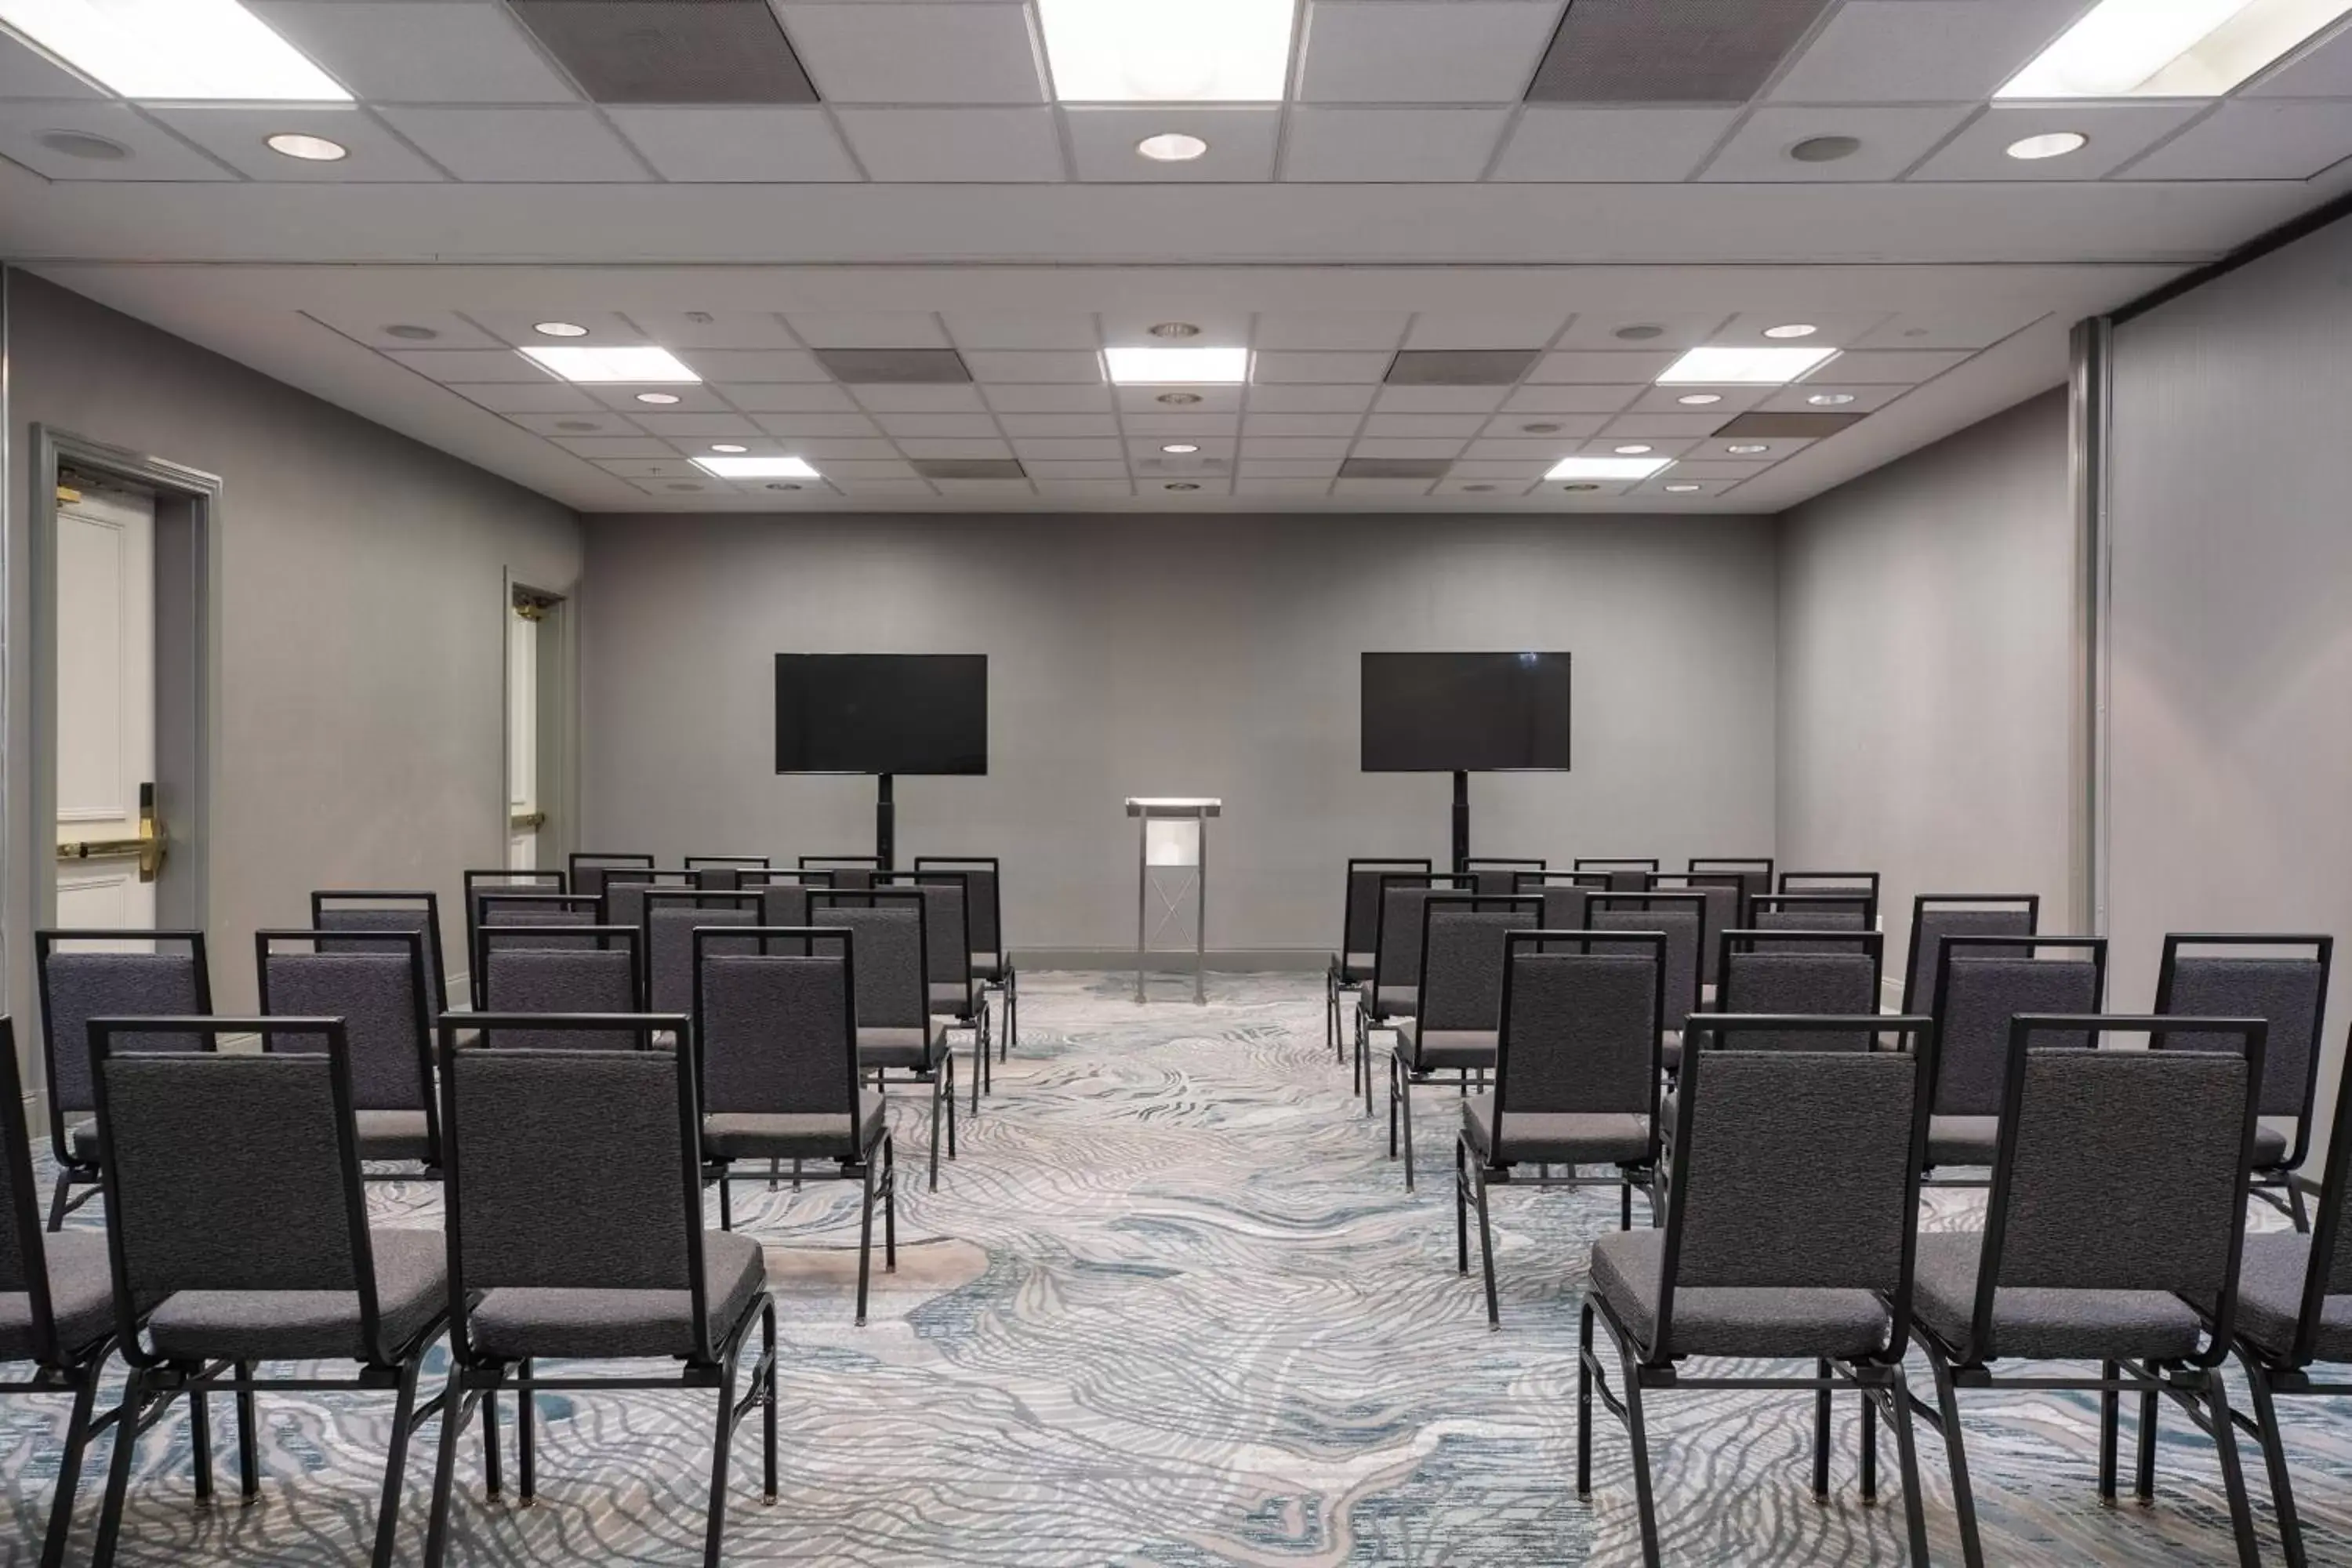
[1405,196]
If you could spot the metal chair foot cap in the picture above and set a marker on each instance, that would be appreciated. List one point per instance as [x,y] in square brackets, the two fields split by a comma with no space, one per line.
[526,1502]
[1822,1498]
[767,1499]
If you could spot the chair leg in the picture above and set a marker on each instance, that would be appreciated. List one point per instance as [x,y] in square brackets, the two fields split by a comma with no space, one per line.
[200,1440]
[1485,1244]
[1821,1434]
[1331,1011]
[2144,1476]
[1585,1401]
[1624,1199]
[2301,1215]
[1638,1435]
[1869,1448]
[61,1508]
[979,1068]
[1964,1502]
[526,1438]
[117,1469]
[2233,1476]
[1404,1103]
[2273,1441]
[935,1130]
[58,1204]
[715,1528]
[767,1402]
[1906,1460]
[456,1405]
[2111,1407]
[1392,1107]
[396,1465]
[726,1198]
[947,1065]
[890,1204]
[493,1481]
[1462,1206]
[1012,1010]
[248,1458]
[865,1241]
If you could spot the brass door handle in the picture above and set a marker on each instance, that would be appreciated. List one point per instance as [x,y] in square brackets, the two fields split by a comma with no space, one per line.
[526,822]
[150,846]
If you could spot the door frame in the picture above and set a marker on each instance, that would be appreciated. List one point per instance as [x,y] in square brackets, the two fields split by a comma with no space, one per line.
[558,717]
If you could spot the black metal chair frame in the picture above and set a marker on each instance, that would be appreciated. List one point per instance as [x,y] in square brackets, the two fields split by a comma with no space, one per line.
[427,902]
[879,1181]
[1614,865]
[975,1017]
[589,860]
[421,989]
[632,938]
[1671,1022]
[1690,882]
[155,1381]
[71,1172]
[2188,1380]
[478,1379]
[2096,946]
[691,898]
[1922,903]
[1741,865]
[941,1080]
[1368,994]
[736,863]
[1517,865]
[1336,981]
[1402,1078]
[649,878]
[852,865]
[1863,904]
[1006,986]
[480,905]
[1871,943]
[1832,883]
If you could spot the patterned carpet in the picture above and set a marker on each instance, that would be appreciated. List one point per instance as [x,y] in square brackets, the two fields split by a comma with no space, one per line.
[1173,1307]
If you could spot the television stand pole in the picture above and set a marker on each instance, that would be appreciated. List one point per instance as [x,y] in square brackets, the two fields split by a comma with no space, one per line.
[1461,820]
[885,849]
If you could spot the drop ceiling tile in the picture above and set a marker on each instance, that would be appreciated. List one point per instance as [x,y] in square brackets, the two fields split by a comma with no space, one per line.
[443,328]
[1453,330]
[1323,470]
[1875,367]
[1241,142]
[1644,427]
[1598,367]
[906,487]
[844,471]
[665,488]
[1440,399]
[690,399]
[1391,488]
[1422,51]
[237,134]
[1659,446]
[419,51]
[454,365]
[549,397]
[1365,330]
[1797,399]
[1776,448]
[1978,328]
[1069,448]
[1545,426]
[870,329]
[1407,447]
[1001,489]
[954,145]
[917,53]
[519,328]
[1495,489]
[1282,485]
[1061,468]
[976,424]
[1547,450]
[1051,367]
[916,398]
[1570,398]
[1580,491]
[741,366]
[1221,321]
[2321,70]
[991,448]
[1674,329]
[615,447]
[1280,366]
[1323,399]
[718,426]
[1021,425]
[854,425]
[821,449]
[1021,330]
[685,329]
[2117,132]
[1718,470]
[1293,446]
[1015,399]
[1526,468]
[652,469]
[753,446]
[1424,425]
[718,145]
[2255,139]
[1921,52]
[578,422]
[1892,141]
[25,72]
[1391,146]
[1567,144]
[1213,450]
[811,397]
[1105,489]
[529,145]
[1301,423]
[149,152]
[1197,487]
[1181,424]
[1657,487]
[1728,400]
[1832,329]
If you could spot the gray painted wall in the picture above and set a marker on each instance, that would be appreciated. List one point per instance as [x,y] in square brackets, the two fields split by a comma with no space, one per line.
[1926,648]
[361,687]
[1179,656]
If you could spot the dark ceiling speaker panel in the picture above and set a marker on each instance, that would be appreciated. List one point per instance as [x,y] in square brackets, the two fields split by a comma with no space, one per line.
[1789,426]
[1669,51]
[1395,467]
[1460,367]
[969,467]
[873,367]
[670,51]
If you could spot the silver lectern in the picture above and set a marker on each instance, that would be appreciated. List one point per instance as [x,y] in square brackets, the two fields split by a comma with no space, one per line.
[1172,861]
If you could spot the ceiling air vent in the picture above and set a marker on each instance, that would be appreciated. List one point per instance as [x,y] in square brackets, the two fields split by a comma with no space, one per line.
[1669,51]
[670,51]
[1789,426]
[870,367]
[1395,467]
[1460,367]
[969,467]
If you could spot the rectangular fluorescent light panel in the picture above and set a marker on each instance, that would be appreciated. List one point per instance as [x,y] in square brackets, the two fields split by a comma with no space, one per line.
[621,364]
[1620,469]
[2169,48]
[1743,366]
[756,468]
[1168,51]
[1178,367]
[179,50]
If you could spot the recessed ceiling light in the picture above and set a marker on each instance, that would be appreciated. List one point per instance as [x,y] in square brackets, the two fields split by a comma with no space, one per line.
[1172,147]
[1634,450]
[84,144]
[1747,448]
[1144,366]
[1178,399]
[310,149]
[1580,487]
[1175,330]
[1829,399]
[2049,144]
[656,397]
[1233,51]
[1181,485]
[1180,448]
[2169,48]
[410,332]
[1699,399]
[1641,332]
[728,447]
[1825,149]
[1763,367]
[176,49]
[1606,468]
[756,468]
[1543,427]
[1681,489]
[558,328]
[610,364]
[1791,330]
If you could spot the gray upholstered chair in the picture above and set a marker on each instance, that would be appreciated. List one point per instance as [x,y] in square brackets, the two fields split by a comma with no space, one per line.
[625,887]
[895,1030]
[1395,984]
[1350,968]
[723,873]
[1567,895]
[778,1035]
[576,1232]
[1722,895]
[83,975]
[480,884]
[1935,916]
[1575,1078]
[1976,996]
[359,913]
[1458,1008]
[1776,971]
[57,1303]
[1498,876]
[1626,874]
[1754,871]
[2282,980]
[384,1000]
[2118,1199]
[1790,1219]
[1863,882]
[239,1234]
[1838,913]
[852,873]
[991,963]
[672,917]
[784,893]
[953,986]
[562,969]
[543,913]
[1683,918]
[588,869]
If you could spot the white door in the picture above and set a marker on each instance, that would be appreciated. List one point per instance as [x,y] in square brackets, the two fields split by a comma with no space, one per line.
[523,816]
[105,702]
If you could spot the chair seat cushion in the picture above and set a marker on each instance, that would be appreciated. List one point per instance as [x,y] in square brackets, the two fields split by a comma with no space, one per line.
[751,1134]
[411,1286]
[949,1000]
[990,967]
[2269,1146]
[514,1321]
[1741,1320]
[1355,968]
[1670,1052]
[917,1050]
[83,1140]
[2040,1322]
[1555,1138]
[1962,1139]
[1428,1050]
[1395,1001]
[81,1299]
[392,1135]
[2269,1299]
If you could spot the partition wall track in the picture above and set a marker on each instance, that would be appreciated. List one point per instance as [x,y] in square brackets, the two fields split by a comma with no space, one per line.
[2089,404]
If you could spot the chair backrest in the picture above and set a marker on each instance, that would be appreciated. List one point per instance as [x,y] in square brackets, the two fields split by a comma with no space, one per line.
[2280,979]
[539,910]
[381,998]
[1682,917]
[1831,882]
[1566,895]
[672,917]
[983,896]
[1625,874]
[24,1260]
[723,873]
[1754,871]
[1462,937]
[574,1170]
[625,887]
[588,869]
[947,928]
[1838,913]
[2120,1169]
[479,883]
[359,913]
[1359,926]
[2330,1272]
[783,894]
[1768,972]
[890,934]
[1497,875]
[230,1172]
[778,1028]
[83,974]
[1797,1170]
[599,970]
[849,871]
[1580,1024]
[1935,916]
[1723,894]
[1396,934]
[1977,997]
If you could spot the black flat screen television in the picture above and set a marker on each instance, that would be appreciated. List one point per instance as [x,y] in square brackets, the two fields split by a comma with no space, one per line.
[881,713]
[1465,712]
